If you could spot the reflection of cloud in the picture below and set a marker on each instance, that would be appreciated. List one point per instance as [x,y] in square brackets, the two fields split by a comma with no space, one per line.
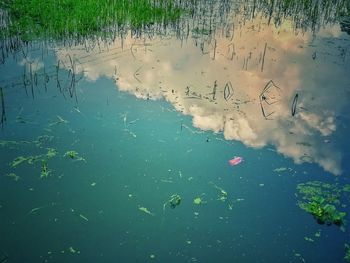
[323,123]
[32,65]
[239,129]
[194,83]
[206,120]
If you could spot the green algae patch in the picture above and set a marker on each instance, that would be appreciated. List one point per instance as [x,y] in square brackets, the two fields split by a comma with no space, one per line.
[145,210]
[12,144]
[51,152]
[25,159]
[173,201]
[18,160]
[322,201]
[222,195]
[43,140]
[71,154]
[13,176]
[199,200]
[347,253]
[45,171]
[74,156]
[31,159]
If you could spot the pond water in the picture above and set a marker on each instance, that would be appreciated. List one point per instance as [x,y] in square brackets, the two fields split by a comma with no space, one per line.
[97,137]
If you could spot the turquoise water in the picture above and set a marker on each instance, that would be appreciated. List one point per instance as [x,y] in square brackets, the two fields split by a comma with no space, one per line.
[109,203]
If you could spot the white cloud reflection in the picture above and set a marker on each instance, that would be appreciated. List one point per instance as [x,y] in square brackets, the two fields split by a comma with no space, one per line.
[185,76]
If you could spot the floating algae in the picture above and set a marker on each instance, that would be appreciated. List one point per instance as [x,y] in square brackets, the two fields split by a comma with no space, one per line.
[12,144]
[18,160]
[33,158]
[347,253]
[59,121]
[318,233]
[71,154]
[42,140]
[84,217]
[51,152]
[308,239]
[36,209]
[198,200]
[73,250]
[145,210]
[280,169]
[74,155]
[29,159]
[222,196]
[13,176]
[173,202]
[322,200]
[45,172]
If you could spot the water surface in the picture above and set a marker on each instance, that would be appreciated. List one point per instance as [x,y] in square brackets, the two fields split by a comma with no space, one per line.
[149,117]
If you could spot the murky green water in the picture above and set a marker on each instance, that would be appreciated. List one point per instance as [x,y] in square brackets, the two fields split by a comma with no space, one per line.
[152,117]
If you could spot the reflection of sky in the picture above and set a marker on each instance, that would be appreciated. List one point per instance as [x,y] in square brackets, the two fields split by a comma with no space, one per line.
[186,75]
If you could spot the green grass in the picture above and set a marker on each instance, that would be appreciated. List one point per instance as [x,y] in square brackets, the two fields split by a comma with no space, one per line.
[59,19]
[62,19]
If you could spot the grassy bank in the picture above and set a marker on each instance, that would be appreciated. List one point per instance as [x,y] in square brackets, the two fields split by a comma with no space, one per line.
[72,19]
[68,18]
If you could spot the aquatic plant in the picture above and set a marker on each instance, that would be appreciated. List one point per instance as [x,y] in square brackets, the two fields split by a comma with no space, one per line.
[12,144]
[322,200]
[199,200]
[222,196]
[14,176]
[17,161]
[71,154]
[51,152]
[145,210]
[74,155]
[45,172]
[347,253]
[173,202]
[324,213]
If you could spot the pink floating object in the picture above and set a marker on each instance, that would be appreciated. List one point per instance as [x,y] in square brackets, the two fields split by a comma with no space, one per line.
[235,161]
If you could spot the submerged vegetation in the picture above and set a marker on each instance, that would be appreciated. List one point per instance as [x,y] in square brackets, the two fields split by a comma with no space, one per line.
[323,201]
